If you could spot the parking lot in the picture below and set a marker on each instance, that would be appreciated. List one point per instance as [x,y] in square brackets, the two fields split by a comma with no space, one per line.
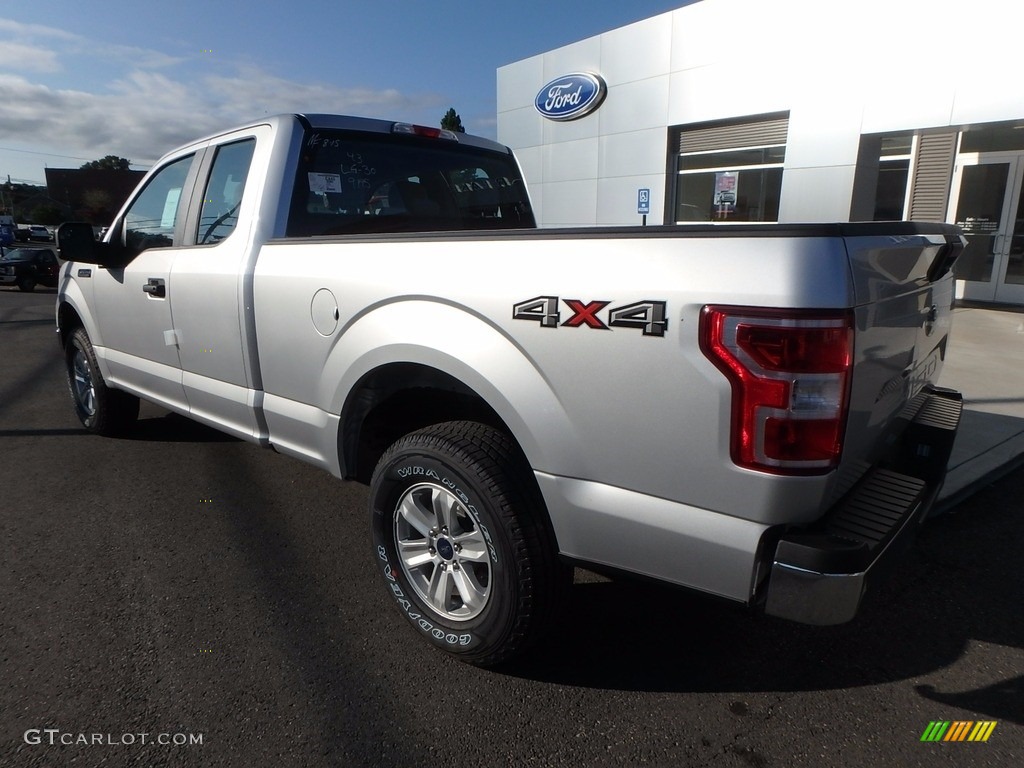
[222,600]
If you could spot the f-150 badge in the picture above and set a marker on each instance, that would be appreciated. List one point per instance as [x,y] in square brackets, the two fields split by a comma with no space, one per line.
[648,316]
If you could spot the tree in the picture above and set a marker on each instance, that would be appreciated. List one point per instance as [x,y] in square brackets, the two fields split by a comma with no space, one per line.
[47,214]
[452,122]
[97,205]
[108,163]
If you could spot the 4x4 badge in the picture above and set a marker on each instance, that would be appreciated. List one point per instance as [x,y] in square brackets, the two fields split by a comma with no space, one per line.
[650,317]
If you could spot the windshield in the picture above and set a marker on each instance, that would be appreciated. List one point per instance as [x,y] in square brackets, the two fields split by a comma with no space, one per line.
[19,254]
[351,182]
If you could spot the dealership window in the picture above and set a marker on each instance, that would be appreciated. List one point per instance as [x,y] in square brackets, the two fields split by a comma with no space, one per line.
[1003,137]
[893,175]
[730,171]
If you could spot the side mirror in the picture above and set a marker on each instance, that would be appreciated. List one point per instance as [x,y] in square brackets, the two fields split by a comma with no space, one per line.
[76,242]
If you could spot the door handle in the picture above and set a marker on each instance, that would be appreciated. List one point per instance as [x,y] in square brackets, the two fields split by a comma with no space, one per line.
[155,287]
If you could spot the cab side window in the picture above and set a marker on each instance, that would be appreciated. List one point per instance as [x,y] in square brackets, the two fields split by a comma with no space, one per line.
[223,194]
[150,221]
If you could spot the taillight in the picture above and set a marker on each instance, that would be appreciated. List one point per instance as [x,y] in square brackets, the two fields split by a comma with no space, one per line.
[423,130]
[790,376]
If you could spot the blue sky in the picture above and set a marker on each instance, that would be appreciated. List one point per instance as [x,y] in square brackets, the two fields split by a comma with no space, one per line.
[135,78]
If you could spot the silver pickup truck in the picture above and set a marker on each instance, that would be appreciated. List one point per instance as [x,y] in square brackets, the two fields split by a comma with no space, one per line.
[745,410]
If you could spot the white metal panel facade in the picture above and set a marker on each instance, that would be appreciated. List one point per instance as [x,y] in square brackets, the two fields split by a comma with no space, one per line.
[839,71]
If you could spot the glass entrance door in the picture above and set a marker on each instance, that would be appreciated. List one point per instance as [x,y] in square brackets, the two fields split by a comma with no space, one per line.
[987,204]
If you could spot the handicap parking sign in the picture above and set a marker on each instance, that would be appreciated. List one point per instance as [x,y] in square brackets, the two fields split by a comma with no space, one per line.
[643,201]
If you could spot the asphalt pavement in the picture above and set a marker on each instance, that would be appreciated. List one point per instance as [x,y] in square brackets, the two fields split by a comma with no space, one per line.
[985,362]
[180,598]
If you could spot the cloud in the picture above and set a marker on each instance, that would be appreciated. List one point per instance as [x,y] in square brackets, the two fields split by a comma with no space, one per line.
[140,57]
[9,27]
[136,121]
[27,58]
[145,113]
[20,37]
[253,89]
[148,104]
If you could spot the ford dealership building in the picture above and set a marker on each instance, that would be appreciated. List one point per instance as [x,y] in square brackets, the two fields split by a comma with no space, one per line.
[786,111]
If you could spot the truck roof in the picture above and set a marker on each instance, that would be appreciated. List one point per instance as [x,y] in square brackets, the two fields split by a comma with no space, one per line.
[344,122]
[349,123]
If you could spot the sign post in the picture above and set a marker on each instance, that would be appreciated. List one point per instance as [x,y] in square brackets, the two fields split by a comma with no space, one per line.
[643,203]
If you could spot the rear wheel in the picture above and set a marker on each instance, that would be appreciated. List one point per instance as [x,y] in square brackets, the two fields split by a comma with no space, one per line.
[101,410]
[461,536]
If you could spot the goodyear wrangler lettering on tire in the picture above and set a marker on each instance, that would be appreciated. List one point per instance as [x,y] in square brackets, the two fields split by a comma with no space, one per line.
[417,471]
[450,638]
[407,471]
[442,550]
[460,538]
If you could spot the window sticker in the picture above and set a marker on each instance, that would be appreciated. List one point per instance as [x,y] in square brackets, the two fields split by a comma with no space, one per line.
[324,182]
[232,189]
[170,208]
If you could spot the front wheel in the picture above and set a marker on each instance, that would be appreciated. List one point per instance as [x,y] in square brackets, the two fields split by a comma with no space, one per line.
[27,284]
[461,536]
[101,410]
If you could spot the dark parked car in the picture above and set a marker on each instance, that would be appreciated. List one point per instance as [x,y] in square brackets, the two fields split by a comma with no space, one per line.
[39,232]
[28,267]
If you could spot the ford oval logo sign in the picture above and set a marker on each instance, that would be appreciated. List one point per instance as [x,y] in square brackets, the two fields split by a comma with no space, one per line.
[571,96]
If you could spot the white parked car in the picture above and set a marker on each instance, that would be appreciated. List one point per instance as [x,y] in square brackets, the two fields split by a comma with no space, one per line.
[40,233]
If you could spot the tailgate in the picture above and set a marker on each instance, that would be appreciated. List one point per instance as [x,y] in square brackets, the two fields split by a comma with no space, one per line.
[899,432]
[903,288]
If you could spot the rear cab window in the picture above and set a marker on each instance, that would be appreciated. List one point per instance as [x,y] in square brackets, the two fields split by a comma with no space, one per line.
[223,194]
[351,182]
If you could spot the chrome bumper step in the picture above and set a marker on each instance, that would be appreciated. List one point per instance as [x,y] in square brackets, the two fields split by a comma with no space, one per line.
[820,574]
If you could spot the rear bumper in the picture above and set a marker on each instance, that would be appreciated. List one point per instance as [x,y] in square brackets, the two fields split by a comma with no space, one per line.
[820,574]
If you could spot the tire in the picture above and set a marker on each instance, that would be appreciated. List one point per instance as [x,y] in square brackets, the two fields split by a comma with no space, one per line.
[101,410]
[461,536]
[27,284]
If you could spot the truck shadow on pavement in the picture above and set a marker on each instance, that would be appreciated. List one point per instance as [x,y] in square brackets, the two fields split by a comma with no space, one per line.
[958,586]
[174,428]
